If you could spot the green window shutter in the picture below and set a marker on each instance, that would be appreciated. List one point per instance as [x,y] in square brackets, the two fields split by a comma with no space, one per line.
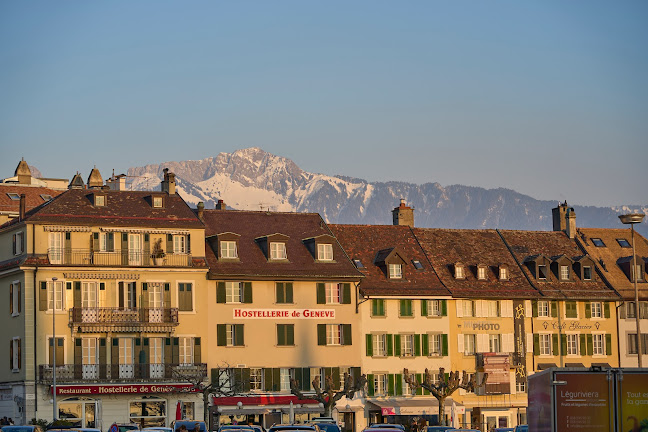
[608,344]
[390,344]
[590,344]
[281,335]
[444,345]
[289,292]
[381,307]
[290,335]
[374,307]
[419,390]
[370,384]
[425,344]
[536,344]
[346,293]
[588,310]
[554,344]
[336,377]
[215,381]
[571,311]
[276,379]
[239,333]
[369,347]
[247,292]
[417,345]
[534,307]
[583,344]
[402,308]
[398,380]
[245,375]
[397,346]
[321,294]
[267,379]
[606,309]
[424,309]
[346,334]
[444,307]
[221,297]
[321,334]
[554,309]
[390,384]
[563,344]
[221,336]
[410,311]
[279,288]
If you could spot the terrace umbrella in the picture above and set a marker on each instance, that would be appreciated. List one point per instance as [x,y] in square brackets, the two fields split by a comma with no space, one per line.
[179,411]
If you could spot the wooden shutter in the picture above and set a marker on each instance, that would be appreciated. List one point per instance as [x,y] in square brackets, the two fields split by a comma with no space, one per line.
[370,384]
[175,350]
[11,297]
[419,390]
[281,334]
[321,334]
[114,354]
[554,344]
[267,379]
[239,335]
[124,248]
[321,294]
[397,345]
[390,384]
[147,248]
[42,296]
[424,308]
[346,293]
[289,292]
[563,344]
[290,335]
[188,243]
[120,288]
[221,335]
[582,343]
[536,344]
[417,345]
[76,294]
[95,241]
[67,248]
[167,295]
[444,345]
[398,381]
[221,296]
[606,309]
[554,309]
[589,343]
[197,351]
[19,295]
[169,243]
[444,307]
[534,308]
[247,292]
[608,344]
[588,310]
[145,295]
[346,334]
[102,358]
[425,344]
[279,289]
[168,352]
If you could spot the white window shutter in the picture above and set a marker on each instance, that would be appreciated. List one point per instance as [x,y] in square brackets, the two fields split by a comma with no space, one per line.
[527,308]
[508,342]
[512,380]
[478,308]
[482,343]
[508,308]
[459,308]
[529,342]
[460,343]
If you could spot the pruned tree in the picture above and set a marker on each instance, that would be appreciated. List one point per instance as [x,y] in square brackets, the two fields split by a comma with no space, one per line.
[445,386]
[328,396]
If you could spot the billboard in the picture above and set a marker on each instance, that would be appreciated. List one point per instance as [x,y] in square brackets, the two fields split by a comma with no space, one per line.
[582,402]
[633,401]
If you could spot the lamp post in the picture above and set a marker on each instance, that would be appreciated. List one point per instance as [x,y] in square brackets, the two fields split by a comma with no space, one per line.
[632,219]
[54,279]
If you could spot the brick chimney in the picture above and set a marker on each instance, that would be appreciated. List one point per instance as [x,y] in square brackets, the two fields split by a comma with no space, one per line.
[23,200]
[564,219]
[403,215]
[201,210]
[168,184]
[221,205]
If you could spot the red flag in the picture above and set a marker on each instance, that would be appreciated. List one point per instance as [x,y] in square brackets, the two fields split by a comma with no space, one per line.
[179,411]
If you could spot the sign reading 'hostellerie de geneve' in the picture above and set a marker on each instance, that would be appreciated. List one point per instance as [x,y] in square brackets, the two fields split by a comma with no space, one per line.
[319,314]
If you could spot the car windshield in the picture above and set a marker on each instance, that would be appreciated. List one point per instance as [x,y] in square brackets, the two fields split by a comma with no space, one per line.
[329,427]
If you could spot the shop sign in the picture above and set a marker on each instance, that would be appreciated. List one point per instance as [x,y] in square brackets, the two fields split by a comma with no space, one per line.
[583,402]
[388,411]
[520,342]
[481,325]
[497,367]
[572,325]
[123,389]
[292,314]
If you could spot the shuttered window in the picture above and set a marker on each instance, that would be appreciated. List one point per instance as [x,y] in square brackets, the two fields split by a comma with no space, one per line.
[185,297]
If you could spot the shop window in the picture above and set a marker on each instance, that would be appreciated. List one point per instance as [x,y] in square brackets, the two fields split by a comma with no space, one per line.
[148,412]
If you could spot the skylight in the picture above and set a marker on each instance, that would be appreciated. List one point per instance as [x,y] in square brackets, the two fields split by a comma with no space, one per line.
[417,264]
[14,196]
[46,197]
[358,264]
[598,242]
[623,243]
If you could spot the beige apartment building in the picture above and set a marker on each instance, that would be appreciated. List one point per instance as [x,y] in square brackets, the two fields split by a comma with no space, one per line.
[104,290]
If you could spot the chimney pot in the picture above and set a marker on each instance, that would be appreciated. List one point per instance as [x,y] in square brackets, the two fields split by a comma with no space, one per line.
[201,210]
[23,199]
[221,205]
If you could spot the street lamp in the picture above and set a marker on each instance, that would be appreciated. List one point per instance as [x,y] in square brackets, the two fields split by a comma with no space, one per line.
[632,219]
[54,279]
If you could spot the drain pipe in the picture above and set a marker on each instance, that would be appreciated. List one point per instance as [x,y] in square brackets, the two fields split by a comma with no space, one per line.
[35,319]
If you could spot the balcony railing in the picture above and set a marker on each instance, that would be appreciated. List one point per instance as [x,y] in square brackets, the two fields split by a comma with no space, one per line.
[131,319]
[89,257]
[160,372]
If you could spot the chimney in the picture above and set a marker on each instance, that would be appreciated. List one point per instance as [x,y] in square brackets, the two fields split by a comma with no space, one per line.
[201,210]
[403,215]
[23,200]
[117,182]
[168,185]
[564,219]
[221,205]
[571,223]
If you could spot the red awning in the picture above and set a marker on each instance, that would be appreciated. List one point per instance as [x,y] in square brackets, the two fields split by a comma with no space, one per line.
[261,400]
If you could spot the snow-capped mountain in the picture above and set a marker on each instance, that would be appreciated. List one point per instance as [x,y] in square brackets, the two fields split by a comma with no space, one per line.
[252,179]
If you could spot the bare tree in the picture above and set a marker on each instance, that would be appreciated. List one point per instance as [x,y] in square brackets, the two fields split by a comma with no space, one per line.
[329,396]
[445,386]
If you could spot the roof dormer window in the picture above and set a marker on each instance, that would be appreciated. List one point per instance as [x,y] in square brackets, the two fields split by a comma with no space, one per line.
[459,271]
[325,252]
[278,251]
[158,202]
[542,272]
[228,249]
[481,272]
[564,272]
[395,271]
[503,273]
[587,273]
[99,200]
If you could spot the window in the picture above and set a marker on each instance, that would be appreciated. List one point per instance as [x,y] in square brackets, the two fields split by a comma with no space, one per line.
[630,310]
[407,389]
[234,292]
[378,307]
[542,272]
[380,384]
[358,264]
[379,342]
[13,196]
[459,272]
[545,344]
[55,353]
[148,412]
[564,272]
[285,334]
[15,303]
[284,379]
[543,308]
[632,343]
[56,292]
[598,342]
[333,334]
[230,335]
[18,243]
[587,273]
[256,379]
[623,243]
[185,299]
[469,344]
[278,251]
[407,345]
[598,242]
[468,307]
[395,271]
[106,242]
[228,249]
[503,273]
[333,292]
[157,202]
[188,410]
[179,244]
[417,264]
[406,309]
[494,343]
[520,387]
[433,308]
[434,344]
[571,309]
[284,292]
[572,344]
[481,273]
[15,354]
[493,308]
[100,200]
[186,350]
[596,310]
[325,252]
[639,272]
[46,197]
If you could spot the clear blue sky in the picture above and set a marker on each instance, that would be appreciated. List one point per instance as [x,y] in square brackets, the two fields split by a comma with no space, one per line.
[549,98]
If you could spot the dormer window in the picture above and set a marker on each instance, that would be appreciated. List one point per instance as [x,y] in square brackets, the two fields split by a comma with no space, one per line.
[395,271]
[639,272]
[503,273]
[157,202]
[459,271]
[587,273]
[481,272]
[325,252]
[564,272]
[100,200]
[228,249]
[542,272]
[278,251]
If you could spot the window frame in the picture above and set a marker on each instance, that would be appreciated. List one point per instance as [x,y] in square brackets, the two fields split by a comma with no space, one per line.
[380,384]
[543,305]
[545,344]
[596,309]
[435,340]
[565,272]
[503,273]
[334,336]
[459,272]
[395,271]
[190,297]
[379,344]
[330,289]
[495,343]
[407,345]
[325,252]
[598,339]
[481,272]
[230,292]
[542,272]
[228,252]
[472,338]
[157,202]
[256,379]
[278,251]
[573,344]
[18,243]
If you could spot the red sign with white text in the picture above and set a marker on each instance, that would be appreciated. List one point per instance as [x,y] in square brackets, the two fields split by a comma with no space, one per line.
[123,389]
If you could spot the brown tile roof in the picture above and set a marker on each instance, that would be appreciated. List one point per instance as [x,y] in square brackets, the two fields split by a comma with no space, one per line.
[252,262]
[123,209]
[551,244]
[374,243]
[446,247]
[612,254]
[32,197]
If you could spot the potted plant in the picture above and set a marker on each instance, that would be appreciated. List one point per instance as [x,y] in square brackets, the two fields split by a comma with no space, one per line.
[158,253]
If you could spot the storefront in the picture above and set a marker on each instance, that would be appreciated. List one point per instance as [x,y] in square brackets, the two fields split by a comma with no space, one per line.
[406,411]
[264,410]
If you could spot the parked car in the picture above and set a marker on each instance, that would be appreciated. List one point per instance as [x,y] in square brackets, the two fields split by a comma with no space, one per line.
[440,428]
[123,427]
[521,428]
[158,429]
[26,428]
[386,426]
[191,425]
[328,427]
[236,428]
[294,427]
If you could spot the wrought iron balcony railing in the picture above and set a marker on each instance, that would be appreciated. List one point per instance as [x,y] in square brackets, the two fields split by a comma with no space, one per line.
[159,372]
[90,257]
[130,319]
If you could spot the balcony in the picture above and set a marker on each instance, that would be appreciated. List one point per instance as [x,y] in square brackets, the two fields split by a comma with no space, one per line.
[152,320]
[90,257]
[158,372]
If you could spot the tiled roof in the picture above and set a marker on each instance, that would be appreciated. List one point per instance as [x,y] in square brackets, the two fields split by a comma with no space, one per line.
[446,247]
[32,197]
[524,244]
[373,243]
[252,262]
[122,209]
[612,254]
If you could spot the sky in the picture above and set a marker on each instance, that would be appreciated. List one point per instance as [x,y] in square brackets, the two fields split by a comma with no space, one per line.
[549,98]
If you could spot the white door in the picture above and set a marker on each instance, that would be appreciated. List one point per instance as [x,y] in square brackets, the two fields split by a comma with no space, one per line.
[56,247]
[134,249]
[155,360]
[89,302]
[126,369]
[156,301]
[90,358]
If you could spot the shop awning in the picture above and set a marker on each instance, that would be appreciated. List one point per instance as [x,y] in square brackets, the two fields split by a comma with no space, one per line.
[543,366]
[407,406]
[578,365]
